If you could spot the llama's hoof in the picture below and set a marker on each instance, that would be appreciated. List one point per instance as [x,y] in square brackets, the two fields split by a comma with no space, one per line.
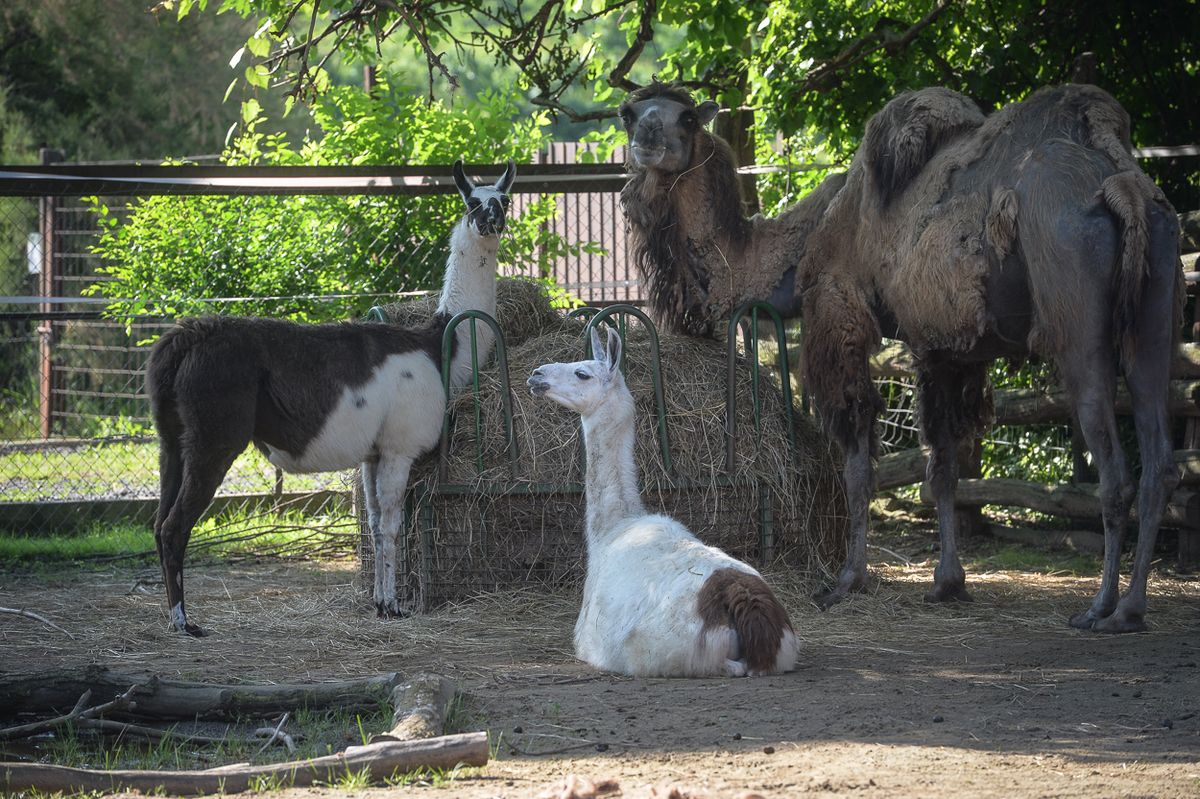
[1084,620]
[194,630]
[735,668]
[949,592]
[1120,622]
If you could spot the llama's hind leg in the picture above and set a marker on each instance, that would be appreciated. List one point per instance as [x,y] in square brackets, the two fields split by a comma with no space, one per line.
[390,483]
[201,476]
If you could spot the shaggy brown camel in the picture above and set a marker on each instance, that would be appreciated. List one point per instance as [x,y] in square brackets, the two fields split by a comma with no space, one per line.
[1028,232]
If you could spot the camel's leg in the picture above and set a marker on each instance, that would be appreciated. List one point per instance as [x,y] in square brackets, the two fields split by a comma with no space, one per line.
[202,475]
[952,406]
[1091,384]
[859,476]
[1148,379]
[391,481]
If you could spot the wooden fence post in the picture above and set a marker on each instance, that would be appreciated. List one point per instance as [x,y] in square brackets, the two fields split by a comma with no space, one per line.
[47,207]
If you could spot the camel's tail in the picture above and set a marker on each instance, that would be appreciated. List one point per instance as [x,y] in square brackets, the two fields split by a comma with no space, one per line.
[1129,196]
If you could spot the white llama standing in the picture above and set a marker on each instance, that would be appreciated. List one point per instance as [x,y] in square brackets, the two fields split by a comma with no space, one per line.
[656,601]
[317,398]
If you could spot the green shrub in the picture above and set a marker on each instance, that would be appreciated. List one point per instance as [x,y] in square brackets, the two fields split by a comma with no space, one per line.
[168,255]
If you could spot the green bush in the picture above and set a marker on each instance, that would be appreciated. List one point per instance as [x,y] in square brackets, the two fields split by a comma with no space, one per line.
[168,255]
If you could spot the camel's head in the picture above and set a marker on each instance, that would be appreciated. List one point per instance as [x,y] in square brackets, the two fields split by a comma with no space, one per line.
[662,122]
[487,206]
[583,386]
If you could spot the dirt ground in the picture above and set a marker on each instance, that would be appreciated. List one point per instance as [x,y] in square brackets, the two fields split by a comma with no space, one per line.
[893,698]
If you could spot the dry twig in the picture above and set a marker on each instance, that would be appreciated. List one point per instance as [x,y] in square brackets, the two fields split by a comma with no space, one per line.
[36,617]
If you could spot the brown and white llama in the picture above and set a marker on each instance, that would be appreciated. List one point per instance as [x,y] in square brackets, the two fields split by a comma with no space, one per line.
[656,601]
[1028,232]
[317,398]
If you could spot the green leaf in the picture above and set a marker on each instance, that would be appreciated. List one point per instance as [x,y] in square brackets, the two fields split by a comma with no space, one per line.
[256,76]
[251,110]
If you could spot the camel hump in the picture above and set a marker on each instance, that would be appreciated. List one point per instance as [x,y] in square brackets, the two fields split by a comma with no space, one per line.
[744,602]
[901,138]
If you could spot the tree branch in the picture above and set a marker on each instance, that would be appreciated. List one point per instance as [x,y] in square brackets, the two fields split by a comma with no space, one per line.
[821,78]
[36,617]
[618,78]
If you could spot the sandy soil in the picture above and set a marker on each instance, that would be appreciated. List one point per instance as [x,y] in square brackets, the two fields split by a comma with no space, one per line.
[894,698]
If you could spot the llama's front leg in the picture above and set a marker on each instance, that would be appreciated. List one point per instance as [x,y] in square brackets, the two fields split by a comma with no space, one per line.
[391,481]
[859,476]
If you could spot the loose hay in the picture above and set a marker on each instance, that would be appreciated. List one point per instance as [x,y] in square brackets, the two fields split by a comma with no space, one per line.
[488,524]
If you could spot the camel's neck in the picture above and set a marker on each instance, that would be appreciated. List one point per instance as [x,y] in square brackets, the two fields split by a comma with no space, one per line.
[729,259]
[470,285]
[611,483]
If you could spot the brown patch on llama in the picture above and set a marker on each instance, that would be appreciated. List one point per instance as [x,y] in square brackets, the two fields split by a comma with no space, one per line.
[744,602]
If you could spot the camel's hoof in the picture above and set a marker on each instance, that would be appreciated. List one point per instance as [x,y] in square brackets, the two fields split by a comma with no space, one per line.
[391,610]
[949,592]
[827,599]
[1084,620]
[1119,623]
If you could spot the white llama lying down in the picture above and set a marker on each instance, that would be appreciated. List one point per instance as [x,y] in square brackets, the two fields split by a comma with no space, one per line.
[317,398]
[657,601]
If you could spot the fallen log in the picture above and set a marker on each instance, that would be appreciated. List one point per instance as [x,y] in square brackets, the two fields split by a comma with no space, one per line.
[1031,406]
[907,467]
[895,361]
[378,760]
[419,708]
[58,691]
[902,468]
[1079,501]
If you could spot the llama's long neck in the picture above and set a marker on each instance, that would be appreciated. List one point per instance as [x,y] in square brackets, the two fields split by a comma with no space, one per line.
[611,482]
[470,285]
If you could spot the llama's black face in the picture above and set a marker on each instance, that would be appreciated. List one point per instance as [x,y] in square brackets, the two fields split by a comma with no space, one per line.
[661,131]
[487,206]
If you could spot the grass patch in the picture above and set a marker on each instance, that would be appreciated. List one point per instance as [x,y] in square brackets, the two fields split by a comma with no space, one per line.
[123,467]
[315,734]
[1029,559]
[237,533]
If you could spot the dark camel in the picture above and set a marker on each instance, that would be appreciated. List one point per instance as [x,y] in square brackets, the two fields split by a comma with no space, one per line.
[1028,232]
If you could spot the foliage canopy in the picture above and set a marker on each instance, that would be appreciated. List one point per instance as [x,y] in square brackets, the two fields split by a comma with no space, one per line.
[172,255]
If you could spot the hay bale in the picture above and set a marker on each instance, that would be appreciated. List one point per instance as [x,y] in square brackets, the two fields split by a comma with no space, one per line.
[522,310]
[484,525]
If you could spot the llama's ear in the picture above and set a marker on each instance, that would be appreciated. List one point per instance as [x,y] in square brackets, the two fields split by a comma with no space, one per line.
[614,350]
[707,111]
[598,353]
[506,180]
[464,184]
